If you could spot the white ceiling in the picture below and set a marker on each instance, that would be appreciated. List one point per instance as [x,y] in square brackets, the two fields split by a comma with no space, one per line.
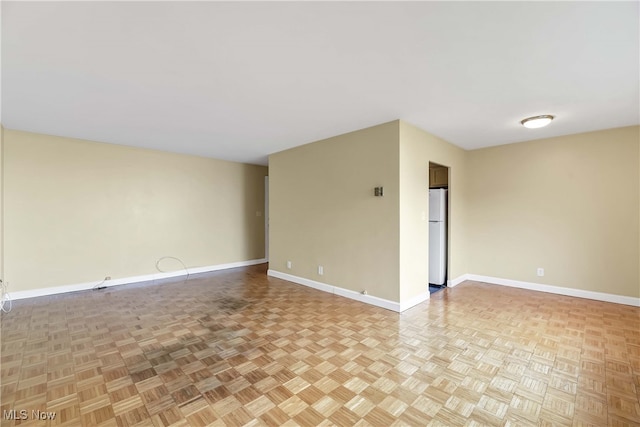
[241,80]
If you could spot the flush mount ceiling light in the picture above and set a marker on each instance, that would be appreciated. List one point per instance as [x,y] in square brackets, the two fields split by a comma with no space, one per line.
[537,121]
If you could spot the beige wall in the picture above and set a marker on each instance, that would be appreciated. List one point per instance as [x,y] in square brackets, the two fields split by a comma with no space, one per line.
[77,211]
[417,149]
[568,204]
[323,211]
[1,202]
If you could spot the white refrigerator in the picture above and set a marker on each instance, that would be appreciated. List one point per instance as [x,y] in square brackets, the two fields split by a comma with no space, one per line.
[437,236]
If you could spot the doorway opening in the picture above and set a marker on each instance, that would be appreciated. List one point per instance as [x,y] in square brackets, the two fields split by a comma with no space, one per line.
[439,223]
[266,218]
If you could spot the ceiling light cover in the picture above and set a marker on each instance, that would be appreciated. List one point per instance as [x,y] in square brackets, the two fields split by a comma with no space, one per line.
[537,121]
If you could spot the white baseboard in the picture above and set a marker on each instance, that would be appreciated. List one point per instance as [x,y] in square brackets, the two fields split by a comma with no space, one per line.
[457,280]
[405,305]
[367,299]
[128,280]
[599,296]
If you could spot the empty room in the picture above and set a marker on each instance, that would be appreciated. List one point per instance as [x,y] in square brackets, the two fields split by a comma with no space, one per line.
[320,213]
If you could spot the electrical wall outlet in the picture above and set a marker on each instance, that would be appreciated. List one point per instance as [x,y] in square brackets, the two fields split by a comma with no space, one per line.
[540,272]
[320,270]
[107,278]
[289,265]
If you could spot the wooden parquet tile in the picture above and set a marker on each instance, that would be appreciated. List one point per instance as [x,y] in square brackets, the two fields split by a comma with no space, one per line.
[237,348]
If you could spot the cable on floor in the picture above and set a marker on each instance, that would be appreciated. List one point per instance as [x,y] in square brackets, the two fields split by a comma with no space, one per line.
[174,258]
[97,285]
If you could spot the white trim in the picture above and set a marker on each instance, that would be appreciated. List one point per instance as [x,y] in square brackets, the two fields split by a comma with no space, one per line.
[347,293]
[301,281]
[457,280]
[367,299]
[405,305]
[580,293]
[32,293]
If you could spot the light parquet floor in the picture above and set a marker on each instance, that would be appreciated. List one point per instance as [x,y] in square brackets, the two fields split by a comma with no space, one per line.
[238,348]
